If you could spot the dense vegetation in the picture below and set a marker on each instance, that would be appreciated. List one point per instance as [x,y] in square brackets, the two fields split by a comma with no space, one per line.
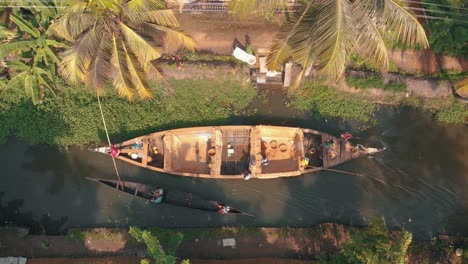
[323,101]
[447,26]
[375,81]
[375,244]
[155,249]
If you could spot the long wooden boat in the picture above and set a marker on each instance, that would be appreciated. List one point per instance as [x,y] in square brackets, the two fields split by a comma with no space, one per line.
[228,152]
[172,197]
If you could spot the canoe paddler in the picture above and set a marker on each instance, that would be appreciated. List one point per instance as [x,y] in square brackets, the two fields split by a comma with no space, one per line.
[223,209]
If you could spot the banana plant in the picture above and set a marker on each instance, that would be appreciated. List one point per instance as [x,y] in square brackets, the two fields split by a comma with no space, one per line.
[30,58]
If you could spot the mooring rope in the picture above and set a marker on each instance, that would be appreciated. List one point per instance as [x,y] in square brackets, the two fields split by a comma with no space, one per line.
[108,140]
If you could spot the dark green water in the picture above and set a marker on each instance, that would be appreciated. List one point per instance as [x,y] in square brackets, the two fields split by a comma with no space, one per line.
[423,176]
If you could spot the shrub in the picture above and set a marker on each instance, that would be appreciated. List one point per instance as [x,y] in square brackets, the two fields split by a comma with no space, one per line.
[375,244]
[154,247]
[375,82]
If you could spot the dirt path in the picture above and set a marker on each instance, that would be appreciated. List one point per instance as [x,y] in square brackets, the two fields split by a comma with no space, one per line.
[217,32]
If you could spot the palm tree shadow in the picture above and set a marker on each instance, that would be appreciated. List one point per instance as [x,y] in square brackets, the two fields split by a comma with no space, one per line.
[50,161]
[10,214]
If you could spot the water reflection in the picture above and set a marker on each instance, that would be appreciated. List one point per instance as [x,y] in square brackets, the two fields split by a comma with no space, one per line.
[422,176]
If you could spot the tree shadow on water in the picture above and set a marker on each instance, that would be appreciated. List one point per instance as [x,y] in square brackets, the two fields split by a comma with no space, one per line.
[10,215]
[59,165]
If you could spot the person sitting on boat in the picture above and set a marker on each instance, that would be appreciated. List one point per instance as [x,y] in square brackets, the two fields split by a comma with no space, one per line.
[223,209]
[157,195]
[138,144]
[114,152]
[329,143]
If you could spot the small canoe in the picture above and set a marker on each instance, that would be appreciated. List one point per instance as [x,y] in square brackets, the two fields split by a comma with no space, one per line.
[176,198]
[232,152]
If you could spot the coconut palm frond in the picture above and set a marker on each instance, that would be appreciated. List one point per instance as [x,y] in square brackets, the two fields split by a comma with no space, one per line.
[307,61]
[335,37]
[402,24]
[76,59]
[100,68]
[121,80]
[140,45]
[175,38]
[163,17]
[137,10]
[25,26]
[288,33]
[73,66]
[73,22]
[152,72]
[137,76]
[370,42]
[88,44]
[16,47]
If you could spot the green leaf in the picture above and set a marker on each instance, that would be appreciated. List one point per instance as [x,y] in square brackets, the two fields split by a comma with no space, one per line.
[16,47]
[17,65]
[39,71]
[25,26]
[17,81]
[54,43]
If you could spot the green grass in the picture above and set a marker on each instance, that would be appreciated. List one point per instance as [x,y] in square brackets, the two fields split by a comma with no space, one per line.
[73,118]
[323,101]
[164,234]
[375,82]
[104,234]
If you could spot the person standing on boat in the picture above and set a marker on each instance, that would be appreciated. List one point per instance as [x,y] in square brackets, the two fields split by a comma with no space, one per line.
[114,151]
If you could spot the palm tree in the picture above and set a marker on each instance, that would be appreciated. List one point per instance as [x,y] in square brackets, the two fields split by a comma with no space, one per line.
[117,40]
[325,33]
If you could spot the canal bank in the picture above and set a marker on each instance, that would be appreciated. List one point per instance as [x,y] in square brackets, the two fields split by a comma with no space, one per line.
[221,245]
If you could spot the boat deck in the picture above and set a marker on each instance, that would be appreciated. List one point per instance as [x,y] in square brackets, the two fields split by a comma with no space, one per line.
[235,151]
[313,149]
[189,152]
[338,152]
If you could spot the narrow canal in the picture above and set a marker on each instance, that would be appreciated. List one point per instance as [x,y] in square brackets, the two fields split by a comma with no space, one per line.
[419,183]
